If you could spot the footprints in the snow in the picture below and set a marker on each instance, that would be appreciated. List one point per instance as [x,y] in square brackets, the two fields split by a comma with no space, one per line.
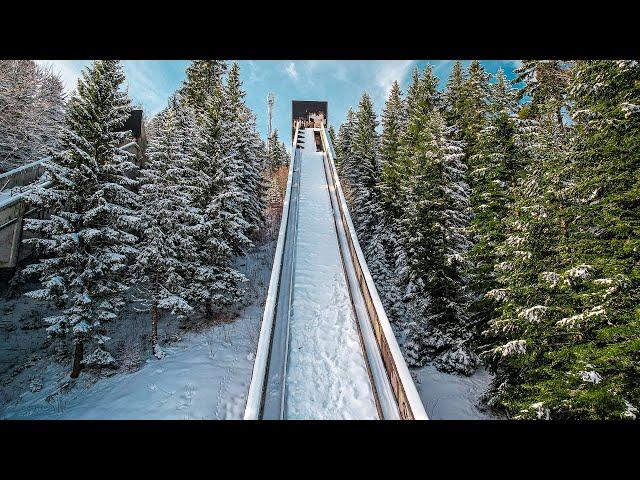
[186,399]
[224,386]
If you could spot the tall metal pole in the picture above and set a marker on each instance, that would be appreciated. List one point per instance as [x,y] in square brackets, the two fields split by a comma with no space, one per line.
[271,100]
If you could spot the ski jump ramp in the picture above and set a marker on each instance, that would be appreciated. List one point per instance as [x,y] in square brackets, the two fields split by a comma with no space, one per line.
[326,349]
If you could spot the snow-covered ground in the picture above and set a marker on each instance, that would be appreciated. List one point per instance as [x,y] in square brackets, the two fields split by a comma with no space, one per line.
[327,376]
[452,397]
[205,374]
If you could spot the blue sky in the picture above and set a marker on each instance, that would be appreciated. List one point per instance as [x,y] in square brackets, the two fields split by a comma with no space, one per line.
[340,82]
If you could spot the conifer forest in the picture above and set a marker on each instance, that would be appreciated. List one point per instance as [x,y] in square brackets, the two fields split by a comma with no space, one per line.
[473,237]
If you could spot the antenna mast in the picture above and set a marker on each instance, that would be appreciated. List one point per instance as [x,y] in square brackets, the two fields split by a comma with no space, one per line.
[271,100]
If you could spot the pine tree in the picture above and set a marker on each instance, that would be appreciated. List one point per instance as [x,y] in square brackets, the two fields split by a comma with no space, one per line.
[393,124]
[332,135]
[566,343]
[240,144]
[454,97]
[203,80]
[373,227]
[600,254]
[343,148]
[476,96]
[522,333]
[496,170]
[88,241]
[420,103]
[278,155]
[31,112]
[546,83]
[256,164]
[364,174]
[222,234]
[168,250]
[431,232]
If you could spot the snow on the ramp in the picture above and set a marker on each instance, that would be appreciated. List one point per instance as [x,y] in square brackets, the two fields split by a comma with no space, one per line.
[327,377]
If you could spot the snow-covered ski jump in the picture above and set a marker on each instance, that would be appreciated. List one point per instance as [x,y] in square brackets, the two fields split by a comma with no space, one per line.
[326,348]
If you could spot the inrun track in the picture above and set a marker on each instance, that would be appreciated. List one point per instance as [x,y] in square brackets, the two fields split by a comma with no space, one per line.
[326,348]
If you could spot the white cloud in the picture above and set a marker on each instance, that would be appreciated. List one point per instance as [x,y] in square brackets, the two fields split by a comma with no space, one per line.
[291,70]
[144,84]
[389,72]
[255,73]
[68,70]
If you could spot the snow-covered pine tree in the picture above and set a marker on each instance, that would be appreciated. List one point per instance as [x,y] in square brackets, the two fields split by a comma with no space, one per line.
[203,80]
[600,255]
[365,171]
[432,235]
[332,135]
[393,125]
[31,112]
[496,170]
[373,226]
[222,233]
[88,242]
[256,161]
[343,148]
[566,344]
[168,252]
[475,97]
[420,102]
[455,97]
[569,332]
[522,333]
[240,142]
[278,155]
[50,102]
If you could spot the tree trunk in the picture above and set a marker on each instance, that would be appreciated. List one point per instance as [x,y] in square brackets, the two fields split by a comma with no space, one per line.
[78,354]
[208,310]
[154,327]
[559,117]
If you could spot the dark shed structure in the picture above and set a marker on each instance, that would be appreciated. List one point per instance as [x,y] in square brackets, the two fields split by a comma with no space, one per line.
[134,123]
[308,111]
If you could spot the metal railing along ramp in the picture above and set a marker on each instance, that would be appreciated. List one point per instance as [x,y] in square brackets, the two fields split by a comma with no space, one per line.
[395,393]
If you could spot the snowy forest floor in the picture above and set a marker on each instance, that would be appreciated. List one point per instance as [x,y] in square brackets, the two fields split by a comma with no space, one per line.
[205,374]
[452,397]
